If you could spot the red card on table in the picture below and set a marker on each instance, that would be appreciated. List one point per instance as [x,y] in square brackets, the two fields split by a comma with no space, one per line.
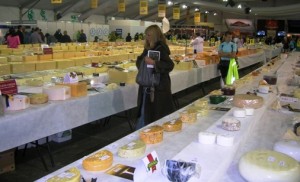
[8,87]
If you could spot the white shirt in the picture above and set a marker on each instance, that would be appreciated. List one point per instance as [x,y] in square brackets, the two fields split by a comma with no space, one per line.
[197,43]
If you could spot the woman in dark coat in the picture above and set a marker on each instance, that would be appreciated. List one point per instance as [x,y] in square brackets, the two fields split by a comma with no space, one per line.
[162,105]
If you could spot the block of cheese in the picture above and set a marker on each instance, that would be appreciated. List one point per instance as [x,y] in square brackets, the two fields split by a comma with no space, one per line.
[133,149]
[44,57]
[116,76]
[45,65]
[231,124]
[99,161]
[15,59]
[269,166]
[77,89]
[225,140]
[18,102]
[38,98]
[288,147]
[3,60]
[245,100]
[79,54]
[58,55]
[69,55]
[30,58]
[64,64]
[22,67]
[239,113]
[174,125]
[70,175]
[206,137]
[184,65]
[297,93]
[57,92]
[152,134]
[4,69]
[82,61]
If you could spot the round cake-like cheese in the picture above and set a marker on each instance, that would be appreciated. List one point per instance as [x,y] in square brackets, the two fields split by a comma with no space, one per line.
[38,98]
[231,124]
[202,103]
[289,147]
[152,135]
[264,89]
[175,125]
[99,161]
[133,149]
[269,166]
[239,113]
[188,116]
[207,137]
[225,140]
[249,111]
[71,175]
[245,100]
[57,92]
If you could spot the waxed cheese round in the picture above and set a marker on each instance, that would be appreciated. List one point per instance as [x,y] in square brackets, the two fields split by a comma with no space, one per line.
[99,161]
[171,126]
[133,149]
[250,101]
[152,134]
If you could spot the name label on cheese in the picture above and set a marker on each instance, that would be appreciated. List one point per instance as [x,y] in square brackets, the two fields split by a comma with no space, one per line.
[66,175]
[147,130]
[104,157]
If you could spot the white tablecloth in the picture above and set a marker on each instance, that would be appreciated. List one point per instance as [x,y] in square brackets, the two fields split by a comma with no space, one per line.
[214,160]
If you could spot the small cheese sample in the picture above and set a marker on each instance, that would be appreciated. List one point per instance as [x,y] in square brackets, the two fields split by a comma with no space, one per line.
[57,92]
[231,124]
[133,149]
[38,98]
[269,166]
[99,161]
[152,135]
[71,175]
[189,116]
[207,137]
[288,147]
[170,126]
[249,111]
[17,102]
[225,140]
[245,100]
[264,89]
[239,113]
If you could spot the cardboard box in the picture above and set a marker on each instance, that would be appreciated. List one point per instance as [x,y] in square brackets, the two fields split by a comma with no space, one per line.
[22,67]
[79,54]
[77,89]
[82,61]
[30,58]
[4,69]
[72,48]
[80,48]
[116,76]
[45,65]
[45,57]
[64,64]
[69,55]
[3,60]
[7,161]
[58,55]
[6,51]
[15,58]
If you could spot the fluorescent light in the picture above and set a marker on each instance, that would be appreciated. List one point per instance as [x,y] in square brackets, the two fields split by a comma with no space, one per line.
[170,3]
[239,6]
[206,12]
[215,14]
[196,9]
[184,6]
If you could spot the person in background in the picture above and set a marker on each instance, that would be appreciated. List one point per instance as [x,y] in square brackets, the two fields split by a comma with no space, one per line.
[65,38]
[197,43]
[292,44]
[13,40]
[20,34]
[26,36]
[227,50]
[82,37]
[35,37]
[128,38]
[162,104]
[136,37]
[58,35]
[96,39]
[50,38]
[42,35]
[285,43]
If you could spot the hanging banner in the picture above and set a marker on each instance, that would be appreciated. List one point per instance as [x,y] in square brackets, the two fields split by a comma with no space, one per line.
[176,13]
[162,10]
[56,1]
[196,18]
[94,4]
[143,7]
[121,6]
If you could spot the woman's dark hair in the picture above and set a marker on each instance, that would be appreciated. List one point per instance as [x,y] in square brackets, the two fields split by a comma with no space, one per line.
[12,32]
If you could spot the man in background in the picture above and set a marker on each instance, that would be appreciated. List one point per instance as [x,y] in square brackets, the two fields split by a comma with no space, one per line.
[197,43]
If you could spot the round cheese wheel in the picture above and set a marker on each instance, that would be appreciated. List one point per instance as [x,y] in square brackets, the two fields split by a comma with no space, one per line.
[231,124]
[133,149]
[38,98]
[99,161]
[71,175]
[289,147]
[188,116]
[170,126]
[152,134]
[269,166]
[245,100]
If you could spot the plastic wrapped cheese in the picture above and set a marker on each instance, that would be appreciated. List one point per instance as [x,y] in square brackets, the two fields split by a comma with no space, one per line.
[269,166]
[250,101]
[99,161]
[71,175]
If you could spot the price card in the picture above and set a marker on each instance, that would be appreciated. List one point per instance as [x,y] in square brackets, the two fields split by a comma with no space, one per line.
[152,163]
[8,87]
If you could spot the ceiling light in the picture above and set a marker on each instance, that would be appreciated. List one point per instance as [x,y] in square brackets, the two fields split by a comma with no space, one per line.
[170,3]
[184,6]
[239,6]
[225,0]
[215,14]
[206,12]
[196,9]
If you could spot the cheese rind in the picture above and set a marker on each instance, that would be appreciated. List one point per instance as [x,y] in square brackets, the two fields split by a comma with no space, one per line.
[152,135]
[71,175]
[245,100]
[269,166]
[99,161]
[133,149]
[171,126]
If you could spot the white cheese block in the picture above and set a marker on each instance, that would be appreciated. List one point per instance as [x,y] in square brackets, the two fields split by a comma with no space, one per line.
[225,140]
[239,113]
[57,92]
[231,124]
[18,102]
[269,166]
[71,175]
[249,111]
[264,89]
[288,147]
[133,149]
[207,137]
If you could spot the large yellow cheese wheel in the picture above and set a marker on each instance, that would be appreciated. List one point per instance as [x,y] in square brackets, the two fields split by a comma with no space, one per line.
[175,125]
[152,135]
[99,161]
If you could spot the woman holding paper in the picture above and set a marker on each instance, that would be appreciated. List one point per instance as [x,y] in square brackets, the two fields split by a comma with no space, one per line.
[155,102]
